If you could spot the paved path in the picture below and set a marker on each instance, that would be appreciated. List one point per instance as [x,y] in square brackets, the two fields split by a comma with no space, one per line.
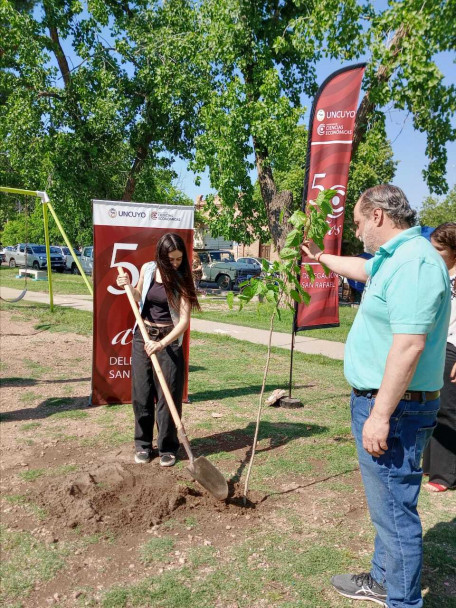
[303,344]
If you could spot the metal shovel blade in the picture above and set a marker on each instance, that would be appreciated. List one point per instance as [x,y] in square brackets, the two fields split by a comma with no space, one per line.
[209,477]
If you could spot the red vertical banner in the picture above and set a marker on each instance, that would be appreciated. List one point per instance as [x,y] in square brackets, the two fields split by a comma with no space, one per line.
[125,234]
[329,151]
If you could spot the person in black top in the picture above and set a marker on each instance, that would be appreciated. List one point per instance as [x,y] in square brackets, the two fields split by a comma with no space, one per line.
[167,295]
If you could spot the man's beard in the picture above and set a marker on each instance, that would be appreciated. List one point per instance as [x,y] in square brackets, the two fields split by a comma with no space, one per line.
[370,246]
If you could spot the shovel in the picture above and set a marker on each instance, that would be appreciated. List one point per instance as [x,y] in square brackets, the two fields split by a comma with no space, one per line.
[200,468]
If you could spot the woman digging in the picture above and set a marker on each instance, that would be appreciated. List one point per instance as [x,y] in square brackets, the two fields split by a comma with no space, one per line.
[166,296]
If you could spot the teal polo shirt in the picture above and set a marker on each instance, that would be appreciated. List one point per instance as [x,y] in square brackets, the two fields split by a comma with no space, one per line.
[407,292]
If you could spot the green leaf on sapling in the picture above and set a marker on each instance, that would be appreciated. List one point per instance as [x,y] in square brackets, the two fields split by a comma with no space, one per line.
[298,219]
[293,238]
[296,296]
[230,299]
[288,253]
[310,272]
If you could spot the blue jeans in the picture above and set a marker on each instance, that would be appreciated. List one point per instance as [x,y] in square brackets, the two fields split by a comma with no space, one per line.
[392,484]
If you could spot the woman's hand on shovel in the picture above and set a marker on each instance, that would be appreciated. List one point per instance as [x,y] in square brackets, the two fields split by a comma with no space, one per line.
[153,347]
[122,280]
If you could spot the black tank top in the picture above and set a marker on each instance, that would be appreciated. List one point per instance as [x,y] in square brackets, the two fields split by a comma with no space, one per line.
[156,307]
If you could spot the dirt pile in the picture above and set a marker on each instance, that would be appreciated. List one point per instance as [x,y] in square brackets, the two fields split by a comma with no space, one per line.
[127,498]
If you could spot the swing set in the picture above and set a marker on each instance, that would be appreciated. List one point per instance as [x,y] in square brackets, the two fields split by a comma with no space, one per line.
[46,206]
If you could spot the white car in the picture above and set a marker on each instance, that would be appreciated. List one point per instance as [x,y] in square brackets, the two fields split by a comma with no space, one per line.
[255,262]
[87,259]
[69,260]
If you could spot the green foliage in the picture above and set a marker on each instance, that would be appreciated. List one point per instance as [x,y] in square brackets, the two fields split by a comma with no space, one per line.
[261,59]
[281,280]
[438,211]
[103,126]
[217,83]
[403,42]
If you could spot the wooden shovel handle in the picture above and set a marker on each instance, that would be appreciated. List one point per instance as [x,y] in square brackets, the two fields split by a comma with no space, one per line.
[158,369]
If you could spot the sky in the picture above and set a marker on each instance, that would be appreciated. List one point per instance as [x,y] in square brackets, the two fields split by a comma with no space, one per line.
[408,145]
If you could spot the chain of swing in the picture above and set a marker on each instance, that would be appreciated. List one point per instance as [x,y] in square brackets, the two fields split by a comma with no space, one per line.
[24,291]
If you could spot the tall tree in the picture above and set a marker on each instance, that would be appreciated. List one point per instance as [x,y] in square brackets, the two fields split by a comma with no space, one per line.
[436,211]
[261,59]
[90,107]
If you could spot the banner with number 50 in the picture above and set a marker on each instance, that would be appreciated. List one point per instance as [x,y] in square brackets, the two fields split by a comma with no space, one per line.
[125,234]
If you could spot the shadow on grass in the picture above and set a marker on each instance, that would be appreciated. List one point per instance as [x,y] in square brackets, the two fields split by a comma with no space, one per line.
[238,391]
[255,389]
[439,564]
[13,381]
[278,433]
[47,408]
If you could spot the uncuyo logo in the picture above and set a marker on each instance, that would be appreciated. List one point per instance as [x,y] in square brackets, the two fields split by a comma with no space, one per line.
[320,115]
[112,213]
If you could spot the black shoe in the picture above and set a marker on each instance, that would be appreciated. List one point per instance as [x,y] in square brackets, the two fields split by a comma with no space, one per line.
[143,456]
[360,587]
[167,460]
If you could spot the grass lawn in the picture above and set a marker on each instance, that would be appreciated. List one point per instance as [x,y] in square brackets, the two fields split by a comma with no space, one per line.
[62,283]
[315,524]
[62,319]
[259,315]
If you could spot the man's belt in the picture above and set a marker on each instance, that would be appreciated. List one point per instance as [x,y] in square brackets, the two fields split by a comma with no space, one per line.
[407,396]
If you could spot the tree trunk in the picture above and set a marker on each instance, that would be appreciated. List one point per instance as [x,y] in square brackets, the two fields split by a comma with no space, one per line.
[275,202]
[141,155]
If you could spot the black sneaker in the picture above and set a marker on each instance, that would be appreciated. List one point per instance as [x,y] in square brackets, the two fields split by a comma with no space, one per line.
[143,457]
[167,460]
[359,587]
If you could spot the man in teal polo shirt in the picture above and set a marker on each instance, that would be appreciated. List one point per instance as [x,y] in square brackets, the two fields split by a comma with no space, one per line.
[394,360]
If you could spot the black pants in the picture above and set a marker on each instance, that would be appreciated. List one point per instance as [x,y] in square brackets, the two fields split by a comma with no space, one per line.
[440,455]
[146,391]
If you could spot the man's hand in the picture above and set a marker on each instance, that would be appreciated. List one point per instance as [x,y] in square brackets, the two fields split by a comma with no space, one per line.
[310,249]
[375,434]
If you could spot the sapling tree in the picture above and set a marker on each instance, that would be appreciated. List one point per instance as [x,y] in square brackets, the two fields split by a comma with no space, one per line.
[280,284]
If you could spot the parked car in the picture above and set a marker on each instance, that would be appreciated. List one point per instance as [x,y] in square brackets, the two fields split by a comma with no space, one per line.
[70,264]
[255,262]
[2,256]
[86,259]
[32,255]
[219,266]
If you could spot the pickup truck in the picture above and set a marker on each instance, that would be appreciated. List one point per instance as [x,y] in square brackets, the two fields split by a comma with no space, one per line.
[220,267]
[69,260]
[31,255]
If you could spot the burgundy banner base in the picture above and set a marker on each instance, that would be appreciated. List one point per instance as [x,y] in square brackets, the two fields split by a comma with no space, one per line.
[125,234]
[328,160]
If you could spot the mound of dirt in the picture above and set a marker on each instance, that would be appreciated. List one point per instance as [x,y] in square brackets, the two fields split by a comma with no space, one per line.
[123,498]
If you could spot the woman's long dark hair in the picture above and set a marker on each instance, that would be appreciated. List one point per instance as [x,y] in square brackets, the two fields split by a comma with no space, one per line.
[177,283]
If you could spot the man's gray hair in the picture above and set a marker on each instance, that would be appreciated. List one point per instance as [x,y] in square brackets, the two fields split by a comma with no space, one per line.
[393,202]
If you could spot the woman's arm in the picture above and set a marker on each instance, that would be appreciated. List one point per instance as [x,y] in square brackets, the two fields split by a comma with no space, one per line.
[125,280]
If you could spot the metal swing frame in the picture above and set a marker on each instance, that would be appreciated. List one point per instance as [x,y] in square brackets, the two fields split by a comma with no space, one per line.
[48,206]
